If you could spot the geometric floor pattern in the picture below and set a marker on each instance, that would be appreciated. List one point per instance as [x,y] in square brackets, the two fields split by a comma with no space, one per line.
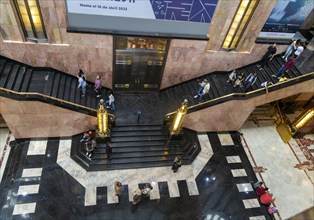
[217,186]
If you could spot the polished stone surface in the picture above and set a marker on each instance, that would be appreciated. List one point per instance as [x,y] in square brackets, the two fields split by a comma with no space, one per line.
[37,147]
[203,190]
[28,189]
[5,138]
[26,208]
[292,187]
[32,172]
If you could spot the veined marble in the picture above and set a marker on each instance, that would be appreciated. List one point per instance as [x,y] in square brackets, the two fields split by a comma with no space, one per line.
[37,147]
[25,208]
[250,203]
[28,189]
[32,172]
[225,139]
[238,172]
[132,177]
[286,182]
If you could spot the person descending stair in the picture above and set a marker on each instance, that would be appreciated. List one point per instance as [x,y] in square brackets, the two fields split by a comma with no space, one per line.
[110,102]
[249,81]
[269,55]
[98,86]
[204,92]
[82,82]
[286,66]
[292,47]
[200,88]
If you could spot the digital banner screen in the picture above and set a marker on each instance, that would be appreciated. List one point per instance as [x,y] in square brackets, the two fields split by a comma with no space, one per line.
[181,18]
[285,19]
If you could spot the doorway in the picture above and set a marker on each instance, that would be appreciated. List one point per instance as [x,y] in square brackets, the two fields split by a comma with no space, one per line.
[138,63]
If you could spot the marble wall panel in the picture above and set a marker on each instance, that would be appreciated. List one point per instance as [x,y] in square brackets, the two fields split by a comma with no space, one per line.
[37,119]
[93,53]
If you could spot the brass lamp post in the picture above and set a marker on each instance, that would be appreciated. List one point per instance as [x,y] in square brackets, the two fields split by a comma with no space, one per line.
[302,120]
[176,125]
[102,120]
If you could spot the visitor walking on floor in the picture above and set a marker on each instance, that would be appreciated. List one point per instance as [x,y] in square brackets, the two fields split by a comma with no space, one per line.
[98,86]
[146,190]
[117,188]
[204,92]
[269,55]
[137,197]
[286,66]
[82,82]
[267,199]
[176,163]
[249,81]
[200,88]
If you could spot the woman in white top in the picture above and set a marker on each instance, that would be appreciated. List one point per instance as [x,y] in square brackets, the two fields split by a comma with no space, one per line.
[299,50]
[110,102]
[146,190]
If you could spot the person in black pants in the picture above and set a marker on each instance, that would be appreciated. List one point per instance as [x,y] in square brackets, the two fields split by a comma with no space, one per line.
[108,150]
[269,55]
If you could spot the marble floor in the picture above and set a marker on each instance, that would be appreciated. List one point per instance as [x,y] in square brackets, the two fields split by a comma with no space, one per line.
[42,182]
[292,187]
[5,138]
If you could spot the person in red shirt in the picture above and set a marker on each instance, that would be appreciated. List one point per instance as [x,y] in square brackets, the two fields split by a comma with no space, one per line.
[88,135]
[266,198]
[261,190]
[286,66]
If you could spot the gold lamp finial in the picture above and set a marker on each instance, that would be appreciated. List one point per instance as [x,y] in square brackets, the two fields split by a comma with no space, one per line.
[179,117]
[102,119]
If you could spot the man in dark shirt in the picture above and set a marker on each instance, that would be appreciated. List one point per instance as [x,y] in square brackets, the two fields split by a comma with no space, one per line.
[108,150]
[269,55]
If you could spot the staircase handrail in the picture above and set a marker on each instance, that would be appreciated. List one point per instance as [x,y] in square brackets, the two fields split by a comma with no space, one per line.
[241,94]
[53,98]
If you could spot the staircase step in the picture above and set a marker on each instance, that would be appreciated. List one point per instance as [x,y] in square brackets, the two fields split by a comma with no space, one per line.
[56,83]
[67,89]
[12,76]
[133,160]
[26,79]
[5,73]
[73,90]
[138,155]
[138,128]
[60,93]
[140,138]
[49,83]
[2,64]
[218,85]
[138,133]
[158,148]
[38,81]
[139,143]
[18,83]
[109,166]
[213,87]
